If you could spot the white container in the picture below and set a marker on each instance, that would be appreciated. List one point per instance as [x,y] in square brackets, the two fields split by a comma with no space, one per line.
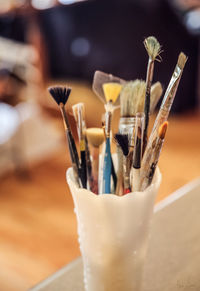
[113,235]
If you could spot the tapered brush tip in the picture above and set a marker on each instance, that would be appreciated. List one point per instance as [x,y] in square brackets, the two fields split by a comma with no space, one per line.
[182,59]
[162,130]
[153,47]
[60,94]
[122,140]
[95,136]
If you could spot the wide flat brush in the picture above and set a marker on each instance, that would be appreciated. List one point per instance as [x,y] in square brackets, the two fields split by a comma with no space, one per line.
[153,49]
[60,95]
[95,138]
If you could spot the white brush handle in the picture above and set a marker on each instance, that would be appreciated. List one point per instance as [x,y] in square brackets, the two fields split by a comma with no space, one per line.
[135,179]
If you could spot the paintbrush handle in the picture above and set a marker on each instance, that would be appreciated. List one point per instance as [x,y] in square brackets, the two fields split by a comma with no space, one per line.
[107,166]
[83,163]
[149,78]
[127,186]
[114,176]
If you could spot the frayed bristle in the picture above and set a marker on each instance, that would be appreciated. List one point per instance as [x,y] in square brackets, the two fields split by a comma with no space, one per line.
[152,47]
[95,136]
[182,59]
[112,91]
[60,94]
[122,140]
[162,130]
[131,96]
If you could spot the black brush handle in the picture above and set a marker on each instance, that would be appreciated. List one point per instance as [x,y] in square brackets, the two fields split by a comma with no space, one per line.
[83,169]
[114,176]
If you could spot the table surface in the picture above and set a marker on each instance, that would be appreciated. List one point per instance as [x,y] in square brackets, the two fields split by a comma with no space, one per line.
[173,259]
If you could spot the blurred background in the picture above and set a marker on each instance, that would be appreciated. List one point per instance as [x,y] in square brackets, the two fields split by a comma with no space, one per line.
[45,42]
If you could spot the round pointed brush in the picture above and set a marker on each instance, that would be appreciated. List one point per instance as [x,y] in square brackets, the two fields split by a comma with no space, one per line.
[148,170]
[153,49]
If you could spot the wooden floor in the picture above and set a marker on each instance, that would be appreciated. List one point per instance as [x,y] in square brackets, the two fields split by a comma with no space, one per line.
[37,223]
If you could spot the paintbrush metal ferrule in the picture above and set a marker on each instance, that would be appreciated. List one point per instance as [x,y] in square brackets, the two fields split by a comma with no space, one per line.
[108,119]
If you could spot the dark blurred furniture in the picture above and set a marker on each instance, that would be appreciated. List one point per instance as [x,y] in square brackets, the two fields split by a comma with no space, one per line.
[108,35]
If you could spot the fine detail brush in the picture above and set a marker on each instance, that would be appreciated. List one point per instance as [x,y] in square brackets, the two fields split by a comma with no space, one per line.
[149,170]
[95,138]
[78,111]
[60,95]
[170,92]
[153,49]
[123,142]
[137,156]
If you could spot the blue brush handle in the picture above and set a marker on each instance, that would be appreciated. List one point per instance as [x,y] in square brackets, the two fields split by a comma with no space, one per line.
[107,166]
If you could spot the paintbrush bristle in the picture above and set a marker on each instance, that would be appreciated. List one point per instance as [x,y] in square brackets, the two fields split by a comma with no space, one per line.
[123,142]
[152,47]
[95,136]
[182,59]
[131,96]
[60,94]
[76,108]
[156,93]
[162,130]
[112,91]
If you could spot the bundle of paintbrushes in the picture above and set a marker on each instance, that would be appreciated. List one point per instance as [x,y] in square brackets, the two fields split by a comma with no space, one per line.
[137,155]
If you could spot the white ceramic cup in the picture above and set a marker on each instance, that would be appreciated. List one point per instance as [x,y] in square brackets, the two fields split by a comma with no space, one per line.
[113,235]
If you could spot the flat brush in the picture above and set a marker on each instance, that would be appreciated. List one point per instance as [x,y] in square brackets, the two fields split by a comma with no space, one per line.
[111,92]
[132,97]
[78,111]
[149,170]
[153,49]
[61,95]
[123,142]
[95,138]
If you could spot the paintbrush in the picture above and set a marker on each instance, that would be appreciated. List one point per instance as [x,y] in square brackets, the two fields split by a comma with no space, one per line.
[137,156]
[165,107]
[132,97]
[153,49]
[123,142]
[107,87]
[61,95]
[156,93]
[148,170]
[95,138]
[111,91]
[170,92]
[78,112]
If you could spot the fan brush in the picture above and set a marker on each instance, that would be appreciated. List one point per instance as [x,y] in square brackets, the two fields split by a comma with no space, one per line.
[60,95]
